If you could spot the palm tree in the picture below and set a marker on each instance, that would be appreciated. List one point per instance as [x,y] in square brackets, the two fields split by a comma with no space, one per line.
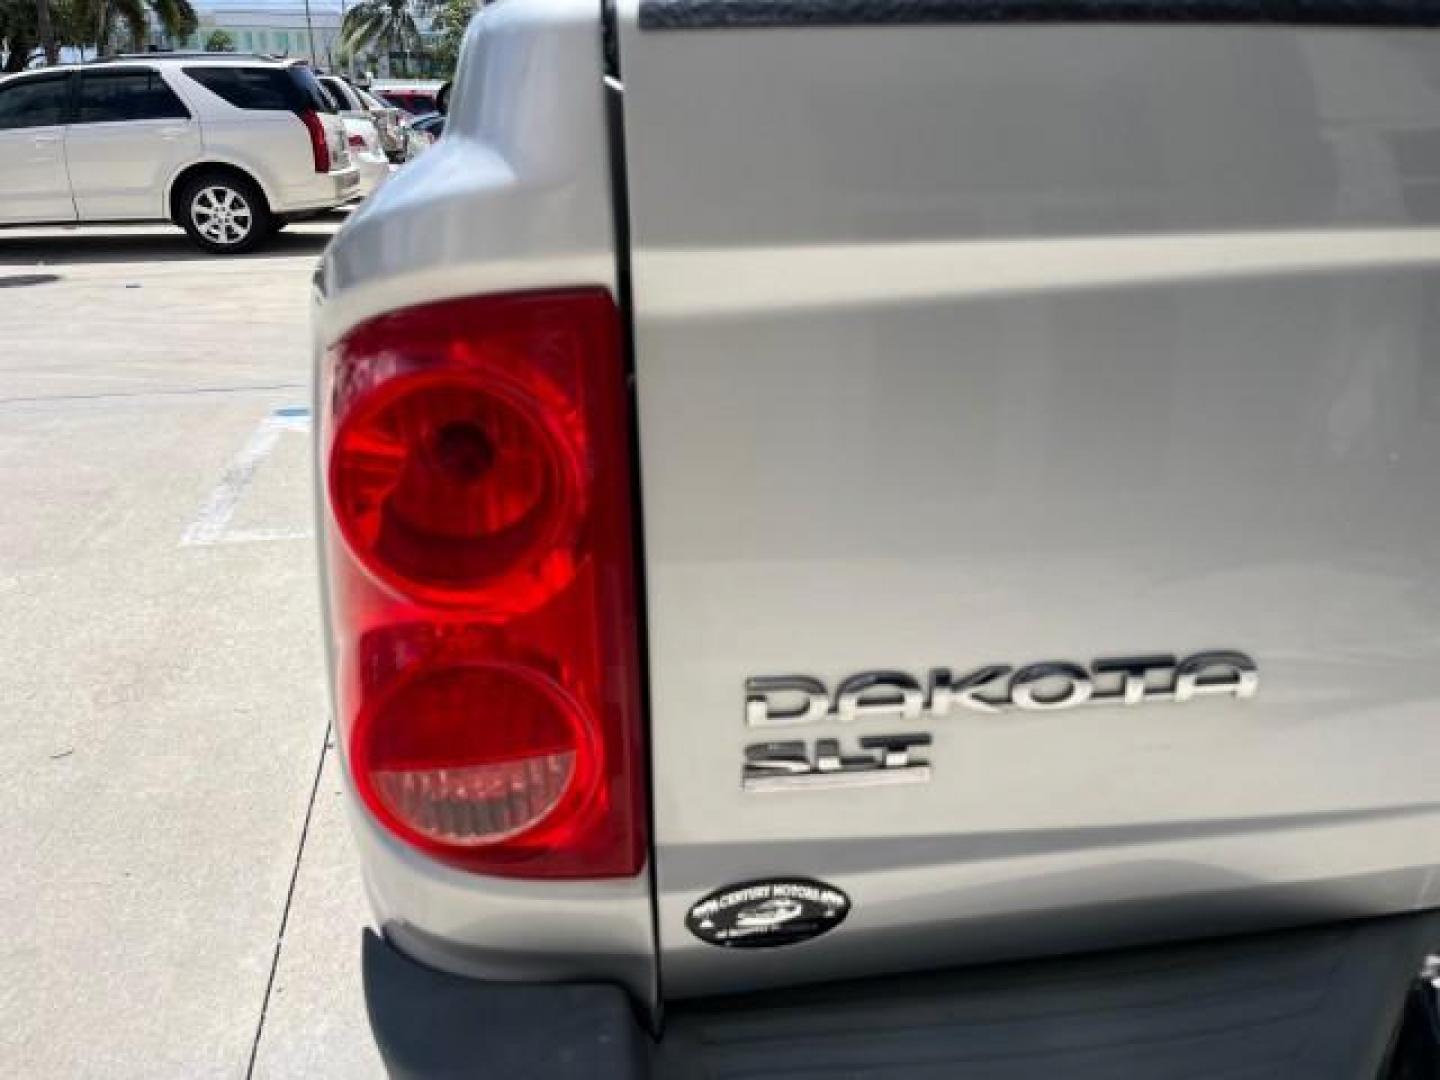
[18,33]
[45,30]
[104,18]
[388,22]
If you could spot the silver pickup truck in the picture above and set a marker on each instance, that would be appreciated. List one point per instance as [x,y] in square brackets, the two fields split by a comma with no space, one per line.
[898,538]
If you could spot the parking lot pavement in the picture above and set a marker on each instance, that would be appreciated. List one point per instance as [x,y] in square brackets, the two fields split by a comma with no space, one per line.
[164,740]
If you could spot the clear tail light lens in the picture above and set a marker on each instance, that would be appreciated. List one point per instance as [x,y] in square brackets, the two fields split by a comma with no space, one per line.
[482,590]
[527,751]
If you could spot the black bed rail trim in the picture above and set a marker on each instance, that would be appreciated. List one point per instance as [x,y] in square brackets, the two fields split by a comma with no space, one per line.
[736,14]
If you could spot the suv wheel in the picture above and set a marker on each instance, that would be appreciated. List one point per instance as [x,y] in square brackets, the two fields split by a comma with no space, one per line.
[224,214]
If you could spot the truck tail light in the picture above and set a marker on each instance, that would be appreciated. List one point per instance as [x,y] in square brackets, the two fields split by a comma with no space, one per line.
[481,582]
[319,145]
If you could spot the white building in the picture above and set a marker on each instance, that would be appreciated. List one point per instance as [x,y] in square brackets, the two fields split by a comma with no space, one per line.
[280,27]
[285,28]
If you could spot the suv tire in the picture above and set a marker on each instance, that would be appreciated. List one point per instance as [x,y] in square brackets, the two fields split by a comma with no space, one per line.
[224,213]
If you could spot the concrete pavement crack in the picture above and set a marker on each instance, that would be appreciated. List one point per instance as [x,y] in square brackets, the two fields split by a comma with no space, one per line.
[289,900]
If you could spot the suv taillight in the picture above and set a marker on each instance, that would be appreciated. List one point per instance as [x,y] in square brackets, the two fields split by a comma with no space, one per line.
[319,144]
[481,578]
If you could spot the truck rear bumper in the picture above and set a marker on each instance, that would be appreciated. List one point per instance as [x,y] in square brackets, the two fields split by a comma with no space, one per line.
[1317,1003]
[431,1024]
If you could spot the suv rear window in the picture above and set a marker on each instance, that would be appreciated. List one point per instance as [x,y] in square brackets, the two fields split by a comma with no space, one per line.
[306,83]
[291,89]
[340,93]
[127,94]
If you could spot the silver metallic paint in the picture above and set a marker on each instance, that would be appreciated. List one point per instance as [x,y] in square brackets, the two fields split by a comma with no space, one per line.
[516,196]
[1043,341]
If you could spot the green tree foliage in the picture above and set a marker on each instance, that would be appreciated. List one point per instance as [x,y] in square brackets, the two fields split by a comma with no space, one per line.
[451,19]
[79,23]
[123,21]
[219,41]
[19,33]
[388,24]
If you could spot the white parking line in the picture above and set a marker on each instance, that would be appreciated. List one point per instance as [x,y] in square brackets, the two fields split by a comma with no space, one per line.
[211,525]
[255,536]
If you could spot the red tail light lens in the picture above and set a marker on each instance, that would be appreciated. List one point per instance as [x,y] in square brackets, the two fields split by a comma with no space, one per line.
[463,486]
[357,142]
[319,146]
[481,582]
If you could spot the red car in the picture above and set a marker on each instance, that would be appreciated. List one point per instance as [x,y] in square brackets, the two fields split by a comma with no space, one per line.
[412,100]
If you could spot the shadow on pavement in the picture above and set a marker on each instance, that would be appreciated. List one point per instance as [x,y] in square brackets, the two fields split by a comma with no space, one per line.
[20,281]
[60,249]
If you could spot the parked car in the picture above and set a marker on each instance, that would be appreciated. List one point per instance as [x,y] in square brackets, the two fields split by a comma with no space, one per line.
[370,157]
[356,104]
[395,120]
[363,138]
[431,125]
[414,98]
[228,149]
[414,143]
[898,539]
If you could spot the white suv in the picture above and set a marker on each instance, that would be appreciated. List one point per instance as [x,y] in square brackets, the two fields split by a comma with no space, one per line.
[356,104]
[228,148]
[362,135]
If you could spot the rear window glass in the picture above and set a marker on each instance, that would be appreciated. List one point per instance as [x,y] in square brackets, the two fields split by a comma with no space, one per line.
[127,94]
[276,89]
[337,103]
[336,89]
[305,81]
[34,102]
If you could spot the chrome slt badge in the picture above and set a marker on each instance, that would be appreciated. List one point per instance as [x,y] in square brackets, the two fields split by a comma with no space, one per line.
[783,701]
[768,913]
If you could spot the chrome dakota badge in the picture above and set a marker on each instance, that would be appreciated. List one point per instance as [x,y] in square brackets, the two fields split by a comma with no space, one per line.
[784,701]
